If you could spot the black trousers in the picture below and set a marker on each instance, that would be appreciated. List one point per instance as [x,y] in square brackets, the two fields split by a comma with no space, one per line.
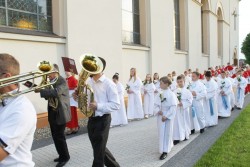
[98,131]
[58,136]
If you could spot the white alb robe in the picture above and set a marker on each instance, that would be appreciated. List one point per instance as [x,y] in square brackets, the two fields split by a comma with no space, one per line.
[134,110]
[173,86]
[182,127]
[188,81]
[165,129]
[224,108]
[157,85]
[240,90]
[197,115]
[120,117]
[210,103]
[148,100]
[232,97]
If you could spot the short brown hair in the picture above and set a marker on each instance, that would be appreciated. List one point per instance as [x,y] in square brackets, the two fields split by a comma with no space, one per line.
[196,73]
[181,77]
[166,80]
[8,64]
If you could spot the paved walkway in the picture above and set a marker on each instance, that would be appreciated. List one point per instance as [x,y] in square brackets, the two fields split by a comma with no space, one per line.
[136,145]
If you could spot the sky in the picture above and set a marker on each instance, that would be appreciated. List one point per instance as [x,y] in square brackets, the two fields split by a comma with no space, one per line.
[244,22]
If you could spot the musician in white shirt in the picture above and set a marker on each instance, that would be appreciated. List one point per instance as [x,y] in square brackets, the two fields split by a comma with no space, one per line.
[17,120]
[106,101]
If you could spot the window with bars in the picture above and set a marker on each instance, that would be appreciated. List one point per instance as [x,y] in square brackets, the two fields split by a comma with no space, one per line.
[177,24]
[130,22]
[26,14]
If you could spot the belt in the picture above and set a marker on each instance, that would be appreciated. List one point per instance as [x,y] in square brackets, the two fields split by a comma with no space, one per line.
[99,117]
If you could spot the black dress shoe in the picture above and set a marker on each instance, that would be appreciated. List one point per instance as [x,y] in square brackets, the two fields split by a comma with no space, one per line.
[62,163]
[56,160]
[192,131]
[202,130]
[232,109]
[163,156]
[238,108]
[176,142]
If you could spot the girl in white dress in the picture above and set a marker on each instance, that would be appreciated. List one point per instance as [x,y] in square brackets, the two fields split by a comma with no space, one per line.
[134,85]
[119,117]
[165,108]
[156,81]
[173,86]
[148,90]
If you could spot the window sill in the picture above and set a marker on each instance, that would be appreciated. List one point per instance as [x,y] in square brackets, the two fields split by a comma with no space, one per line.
[135,47]
[181,52]
[28,35]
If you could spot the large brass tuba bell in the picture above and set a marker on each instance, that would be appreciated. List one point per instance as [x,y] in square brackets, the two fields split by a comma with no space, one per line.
[91,65]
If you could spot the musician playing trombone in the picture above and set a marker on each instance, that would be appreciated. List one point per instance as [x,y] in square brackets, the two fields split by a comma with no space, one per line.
[58,113]
[17,120]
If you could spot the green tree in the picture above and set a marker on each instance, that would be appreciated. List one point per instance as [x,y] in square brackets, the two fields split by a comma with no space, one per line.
[245,49]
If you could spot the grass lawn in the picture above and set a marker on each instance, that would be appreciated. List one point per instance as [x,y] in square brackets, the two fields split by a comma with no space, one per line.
[232,149]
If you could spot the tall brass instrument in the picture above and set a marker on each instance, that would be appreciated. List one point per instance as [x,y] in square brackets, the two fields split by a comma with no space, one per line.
[91,65]
[44,69]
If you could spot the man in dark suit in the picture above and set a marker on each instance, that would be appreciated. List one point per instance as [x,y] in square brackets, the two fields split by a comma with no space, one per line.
[58,113]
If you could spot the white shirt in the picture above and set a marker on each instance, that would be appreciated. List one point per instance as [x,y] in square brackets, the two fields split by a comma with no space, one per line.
[106,95]
[17,127]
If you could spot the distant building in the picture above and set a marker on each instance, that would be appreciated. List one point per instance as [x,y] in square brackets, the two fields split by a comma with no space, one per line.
[151,35]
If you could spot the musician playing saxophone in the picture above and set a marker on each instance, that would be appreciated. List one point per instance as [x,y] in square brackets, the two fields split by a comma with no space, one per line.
[17,120]
[58,113]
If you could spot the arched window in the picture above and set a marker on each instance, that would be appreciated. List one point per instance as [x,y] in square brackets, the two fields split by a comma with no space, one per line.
[205,26]
[130,21]
[26,14]
[220,32]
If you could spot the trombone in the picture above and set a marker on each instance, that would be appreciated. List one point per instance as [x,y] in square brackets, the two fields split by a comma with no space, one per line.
[44,69]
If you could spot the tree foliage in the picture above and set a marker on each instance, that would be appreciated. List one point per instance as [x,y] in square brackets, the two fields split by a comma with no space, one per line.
[245,49]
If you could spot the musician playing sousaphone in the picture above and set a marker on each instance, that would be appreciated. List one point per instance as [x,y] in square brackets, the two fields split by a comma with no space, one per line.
[58,113]
[103,100]
[17,120]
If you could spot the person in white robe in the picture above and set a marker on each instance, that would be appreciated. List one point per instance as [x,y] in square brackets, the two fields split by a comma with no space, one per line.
[182,120]
[156,81]
[197,114]
[241,84]
[165,109]
[173,86]
[210,103]
[148,90]
[188,79]
[225,89]
[134,108]
[119,117]
[232,97]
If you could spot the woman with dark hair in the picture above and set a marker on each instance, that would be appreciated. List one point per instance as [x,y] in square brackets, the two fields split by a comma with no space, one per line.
[119,117]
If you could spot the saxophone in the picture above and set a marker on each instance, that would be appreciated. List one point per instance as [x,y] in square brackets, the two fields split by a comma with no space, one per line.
[91,65]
